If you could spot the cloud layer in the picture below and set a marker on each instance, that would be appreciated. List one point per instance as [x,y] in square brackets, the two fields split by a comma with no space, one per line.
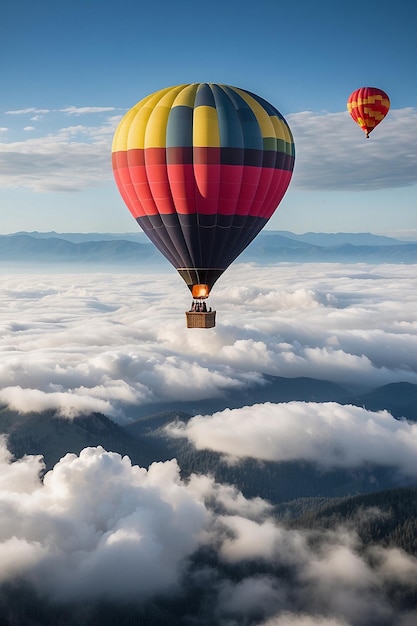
[110,342]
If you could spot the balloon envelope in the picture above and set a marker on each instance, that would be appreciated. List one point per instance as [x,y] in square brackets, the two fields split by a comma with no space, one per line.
[368,106]
[202,168]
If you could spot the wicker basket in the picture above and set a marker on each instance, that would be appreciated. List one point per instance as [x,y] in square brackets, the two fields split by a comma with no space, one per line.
[201,320]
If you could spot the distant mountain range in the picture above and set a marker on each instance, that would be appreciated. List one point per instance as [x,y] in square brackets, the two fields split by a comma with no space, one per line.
[276,246]
[34,248]
[114,250]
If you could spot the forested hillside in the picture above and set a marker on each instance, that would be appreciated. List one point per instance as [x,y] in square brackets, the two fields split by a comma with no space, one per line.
[387,518]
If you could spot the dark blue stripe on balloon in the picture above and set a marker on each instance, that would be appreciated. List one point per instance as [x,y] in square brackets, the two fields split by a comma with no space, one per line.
[271,110]
[229,156]
[252,135]
[187,240]
[204,96]
[180,127]
[230,129]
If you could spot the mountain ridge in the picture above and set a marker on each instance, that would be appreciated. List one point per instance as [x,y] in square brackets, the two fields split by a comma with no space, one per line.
[268,247]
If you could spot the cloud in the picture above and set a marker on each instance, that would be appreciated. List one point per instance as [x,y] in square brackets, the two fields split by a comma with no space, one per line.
[244,598]
[59,162]
[67,404]
[72,110]
[97,526]
[295,619]
[332,153]
[332,580]
[69,159]
[28,111]
[96,514]
[329,434]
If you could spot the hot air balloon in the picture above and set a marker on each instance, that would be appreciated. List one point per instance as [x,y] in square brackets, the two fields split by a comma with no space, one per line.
[202,168]
[368,106]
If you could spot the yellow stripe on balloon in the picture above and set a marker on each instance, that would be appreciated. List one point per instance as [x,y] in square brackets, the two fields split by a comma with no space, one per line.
[281,130]
[206,127]
[155,133]
[120,138]
[186,96]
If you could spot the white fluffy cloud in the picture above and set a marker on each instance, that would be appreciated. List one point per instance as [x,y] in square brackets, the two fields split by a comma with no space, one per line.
[93,515]
[99,526]
[329,434]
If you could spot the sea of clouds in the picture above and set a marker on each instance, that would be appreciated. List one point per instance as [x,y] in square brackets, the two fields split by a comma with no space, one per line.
[107,342]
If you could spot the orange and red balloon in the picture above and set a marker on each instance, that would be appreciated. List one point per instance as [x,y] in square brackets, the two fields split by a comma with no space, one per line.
[368,106]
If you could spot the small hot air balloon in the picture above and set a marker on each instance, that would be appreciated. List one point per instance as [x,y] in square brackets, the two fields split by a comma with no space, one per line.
[368,106]
[202,168]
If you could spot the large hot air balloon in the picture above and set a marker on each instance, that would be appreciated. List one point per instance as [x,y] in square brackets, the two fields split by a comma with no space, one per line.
[368,106]
[202,167]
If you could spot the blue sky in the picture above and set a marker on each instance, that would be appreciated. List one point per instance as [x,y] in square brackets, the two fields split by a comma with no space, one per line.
[71,70]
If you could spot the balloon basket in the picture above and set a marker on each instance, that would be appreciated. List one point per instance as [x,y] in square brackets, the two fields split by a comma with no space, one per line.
[201,320]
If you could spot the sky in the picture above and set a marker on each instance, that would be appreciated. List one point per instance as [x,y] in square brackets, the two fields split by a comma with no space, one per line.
[76,343]
[71,70]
